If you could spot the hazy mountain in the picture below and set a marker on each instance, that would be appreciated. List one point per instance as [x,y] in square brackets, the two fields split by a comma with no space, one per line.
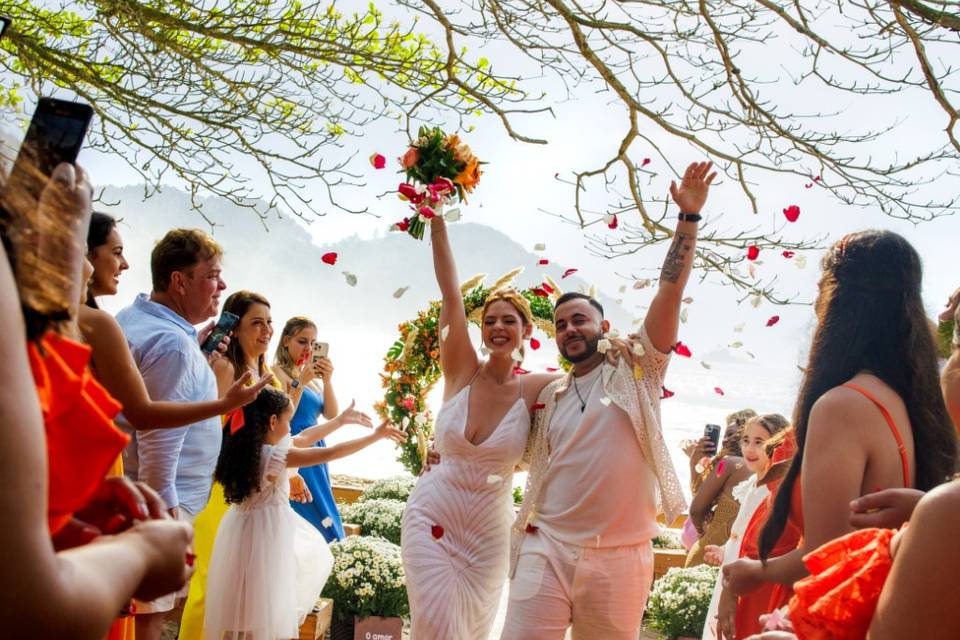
[278,258]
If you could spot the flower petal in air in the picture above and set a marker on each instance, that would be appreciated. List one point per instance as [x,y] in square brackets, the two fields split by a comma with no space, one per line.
[645,162]
[399,292]
[327,522]
[791,213]
[378,161]
[444,332]
[452,215]
[755,300]
[642,284]
[684,315]
[753,252]
[773,320]
[682,350]
[552,369]
[516,355]
[718,391]
[705,364]
[603,345]
[568,272]
[519,371]
[350,278]
[539,292]
[329,258]
[605,401]
[801,261]
[739,327]
[611,220]
[534,344]
[789,254]
[436,531]
[638,349]
[540,247]
[666,393]
[543,261]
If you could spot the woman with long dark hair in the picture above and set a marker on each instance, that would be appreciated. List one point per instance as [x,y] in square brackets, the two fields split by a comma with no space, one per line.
[870,414]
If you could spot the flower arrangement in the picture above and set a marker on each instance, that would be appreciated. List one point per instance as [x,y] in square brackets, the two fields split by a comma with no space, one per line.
[367,579]
[437,166]
[395,488]
[377,517]
[413,366]
[680,600]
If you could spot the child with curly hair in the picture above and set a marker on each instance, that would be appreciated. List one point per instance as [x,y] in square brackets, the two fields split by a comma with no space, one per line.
[269,564]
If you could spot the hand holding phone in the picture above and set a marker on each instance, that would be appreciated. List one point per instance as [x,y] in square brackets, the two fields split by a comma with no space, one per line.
[712,431]
[224,325]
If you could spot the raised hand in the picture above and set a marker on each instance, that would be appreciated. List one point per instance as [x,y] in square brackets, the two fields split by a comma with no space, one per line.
[386,430]
[241,392]
[324,369]
[352,416]
[691,195]
[298,489]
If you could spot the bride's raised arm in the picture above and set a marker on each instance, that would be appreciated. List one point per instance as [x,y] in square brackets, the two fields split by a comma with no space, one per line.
[458,359]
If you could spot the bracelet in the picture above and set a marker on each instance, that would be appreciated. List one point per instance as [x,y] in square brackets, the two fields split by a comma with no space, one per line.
[690,217]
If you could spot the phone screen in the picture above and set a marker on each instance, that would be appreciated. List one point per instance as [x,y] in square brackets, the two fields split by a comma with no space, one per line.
[55,135]
[225,325]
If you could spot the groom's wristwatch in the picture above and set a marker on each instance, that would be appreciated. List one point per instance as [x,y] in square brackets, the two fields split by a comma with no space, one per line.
[690,217]
[294,383]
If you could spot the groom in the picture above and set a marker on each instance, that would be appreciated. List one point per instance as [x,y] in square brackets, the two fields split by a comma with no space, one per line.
[599,468]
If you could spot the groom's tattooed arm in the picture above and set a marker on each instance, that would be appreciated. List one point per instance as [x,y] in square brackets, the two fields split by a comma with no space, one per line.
[673,265]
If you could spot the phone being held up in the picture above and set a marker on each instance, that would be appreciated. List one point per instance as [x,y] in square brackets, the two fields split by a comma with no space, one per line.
[224,325]
[712,431]
[320,350]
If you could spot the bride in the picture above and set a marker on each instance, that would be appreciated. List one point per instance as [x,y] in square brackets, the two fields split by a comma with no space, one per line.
[456,525]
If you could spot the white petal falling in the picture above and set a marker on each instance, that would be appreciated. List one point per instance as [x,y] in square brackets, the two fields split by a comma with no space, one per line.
[516,355]
[540,247]
[399,292]
[705,364]
[638,349]
[452,215]
[444,332]
[755,300]
[603,345]
[683,315]
[350,278]
[739,327]
[687,300]
[622,289]
[605,401]
[327,522]
[800,261]
[736,345]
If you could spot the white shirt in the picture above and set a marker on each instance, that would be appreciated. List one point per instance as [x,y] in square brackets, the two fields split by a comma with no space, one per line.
[598,490]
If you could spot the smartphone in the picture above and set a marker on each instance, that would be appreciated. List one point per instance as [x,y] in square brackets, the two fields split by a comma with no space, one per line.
[320,350]
[225,325]
[4,23]
[55,135]
[712,431]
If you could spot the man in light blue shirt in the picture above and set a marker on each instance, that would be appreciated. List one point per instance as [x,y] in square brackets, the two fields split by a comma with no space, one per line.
[178,463]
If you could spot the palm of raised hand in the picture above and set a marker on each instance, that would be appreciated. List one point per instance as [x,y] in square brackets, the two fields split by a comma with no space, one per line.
[691,195]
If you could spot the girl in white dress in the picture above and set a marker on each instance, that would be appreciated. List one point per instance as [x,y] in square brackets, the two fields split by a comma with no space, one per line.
[269,564]
[455,537]
[750,494]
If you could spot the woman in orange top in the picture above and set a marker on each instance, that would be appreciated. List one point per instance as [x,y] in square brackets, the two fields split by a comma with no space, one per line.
[869,399]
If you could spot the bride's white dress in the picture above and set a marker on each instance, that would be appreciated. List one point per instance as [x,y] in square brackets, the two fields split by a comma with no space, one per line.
[456,526]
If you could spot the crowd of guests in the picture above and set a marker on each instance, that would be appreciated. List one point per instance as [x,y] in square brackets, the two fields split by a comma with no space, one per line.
[808,519]
[142,470]
[123,431]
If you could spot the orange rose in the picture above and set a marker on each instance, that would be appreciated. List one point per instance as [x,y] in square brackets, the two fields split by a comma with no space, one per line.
[410,158]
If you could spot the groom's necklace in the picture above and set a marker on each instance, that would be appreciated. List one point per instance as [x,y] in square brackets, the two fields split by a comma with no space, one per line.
[583,401]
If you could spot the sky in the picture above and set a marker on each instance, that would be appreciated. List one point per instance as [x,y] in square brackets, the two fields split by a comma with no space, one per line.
[519,193]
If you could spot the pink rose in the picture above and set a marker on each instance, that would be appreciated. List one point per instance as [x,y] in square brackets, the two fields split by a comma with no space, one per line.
[409,158]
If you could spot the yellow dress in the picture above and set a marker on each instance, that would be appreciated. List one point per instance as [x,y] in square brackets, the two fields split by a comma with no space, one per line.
[122,628]
[204,533]
[717,531]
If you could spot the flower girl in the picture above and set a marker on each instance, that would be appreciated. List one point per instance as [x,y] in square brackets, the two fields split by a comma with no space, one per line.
[269,564]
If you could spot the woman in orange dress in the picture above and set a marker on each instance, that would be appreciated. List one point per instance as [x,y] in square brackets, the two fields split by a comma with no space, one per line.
[870,399]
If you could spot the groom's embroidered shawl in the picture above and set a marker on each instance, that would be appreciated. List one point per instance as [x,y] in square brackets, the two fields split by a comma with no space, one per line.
[639,396]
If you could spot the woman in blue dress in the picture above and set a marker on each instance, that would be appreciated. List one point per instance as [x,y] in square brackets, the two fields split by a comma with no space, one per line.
[308,384]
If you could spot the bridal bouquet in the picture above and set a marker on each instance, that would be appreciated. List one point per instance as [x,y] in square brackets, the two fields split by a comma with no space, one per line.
[438,167]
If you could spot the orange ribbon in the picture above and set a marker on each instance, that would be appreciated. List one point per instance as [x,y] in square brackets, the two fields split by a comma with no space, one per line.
[236,420]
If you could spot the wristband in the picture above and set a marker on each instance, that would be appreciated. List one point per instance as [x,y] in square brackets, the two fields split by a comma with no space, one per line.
[689,217]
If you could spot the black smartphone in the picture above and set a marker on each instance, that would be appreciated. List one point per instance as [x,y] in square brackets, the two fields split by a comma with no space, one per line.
[55,135]
[4,23]
[712,431]
[224,325]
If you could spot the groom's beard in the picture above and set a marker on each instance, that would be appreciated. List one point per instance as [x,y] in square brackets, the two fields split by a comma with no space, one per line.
[590,348]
